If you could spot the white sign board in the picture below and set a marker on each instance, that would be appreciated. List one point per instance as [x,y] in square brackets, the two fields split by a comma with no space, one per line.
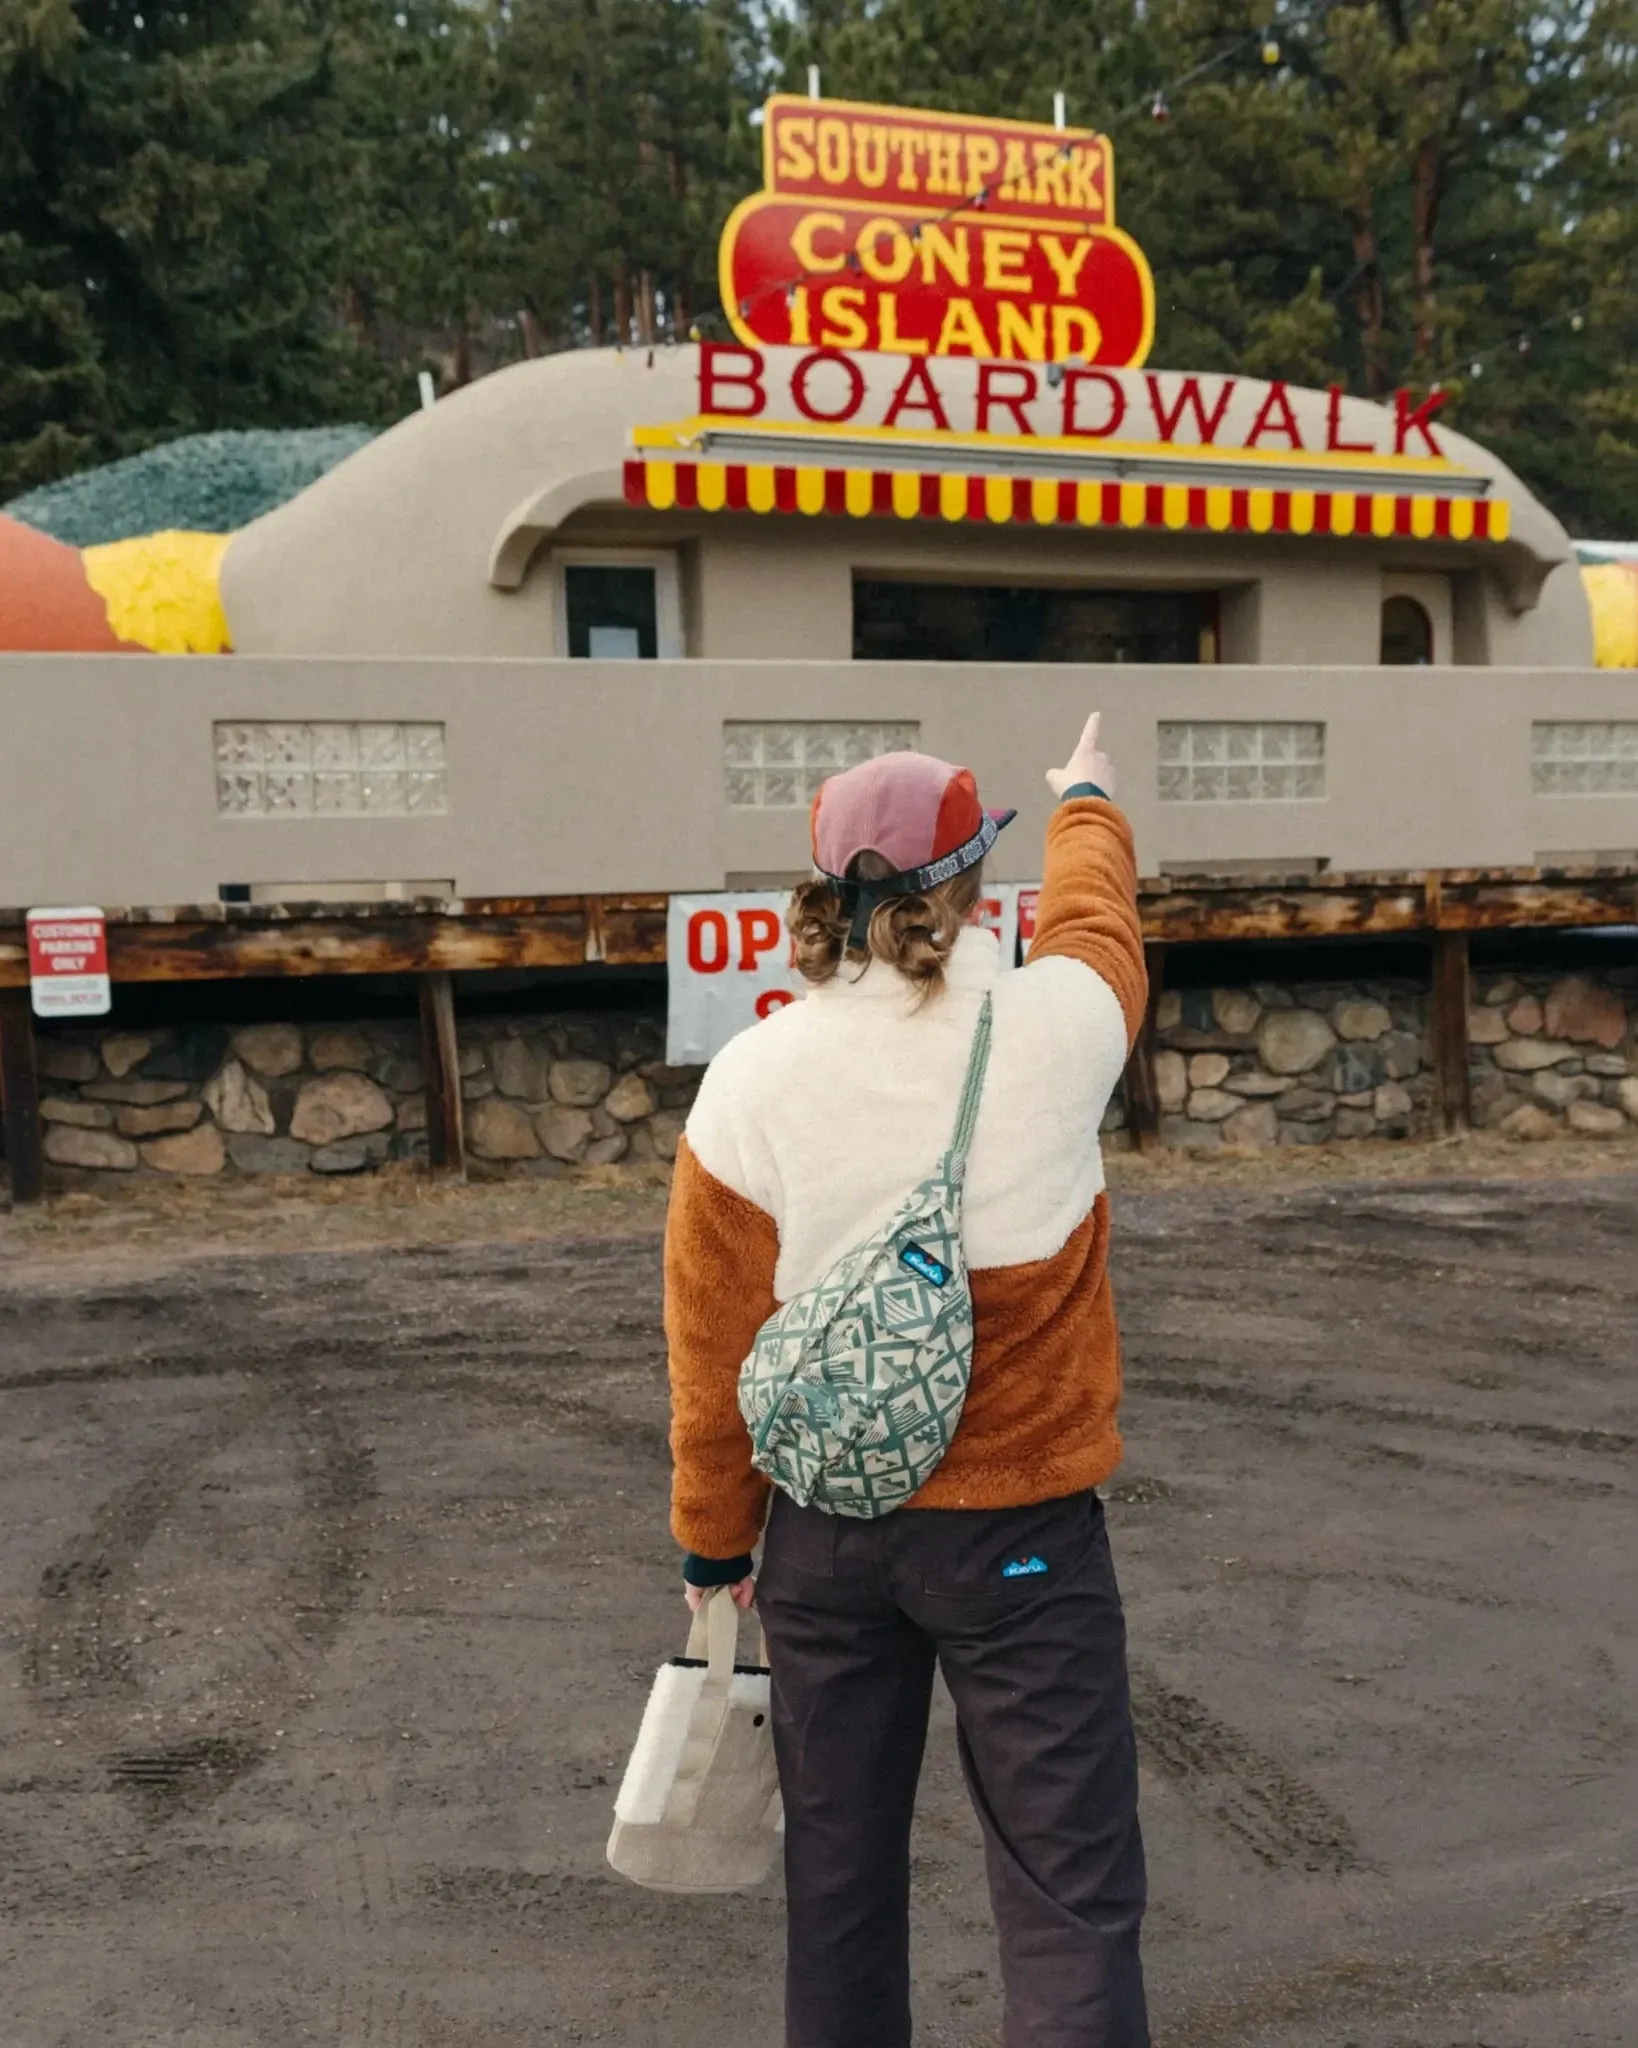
[68,963]
[728,961]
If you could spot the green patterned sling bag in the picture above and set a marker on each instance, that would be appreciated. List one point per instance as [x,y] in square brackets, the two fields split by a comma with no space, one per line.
[854,1388]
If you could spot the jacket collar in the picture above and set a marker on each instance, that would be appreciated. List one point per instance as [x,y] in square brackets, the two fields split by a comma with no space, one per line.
[975,964]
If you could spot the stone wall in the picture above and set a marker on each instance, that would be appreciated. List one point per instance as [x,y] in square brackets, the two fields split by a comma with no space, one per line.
[543,1096]
[1268,1064]
[1308,1063]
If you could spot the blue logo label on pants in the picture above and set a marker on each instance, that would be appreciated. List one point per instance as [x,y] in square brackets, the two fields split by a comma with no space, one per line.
[1024,1568]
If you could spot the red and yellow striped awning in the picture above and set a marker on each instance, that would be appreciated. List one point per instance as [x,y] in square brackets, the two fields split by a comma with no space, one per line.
[1045,501]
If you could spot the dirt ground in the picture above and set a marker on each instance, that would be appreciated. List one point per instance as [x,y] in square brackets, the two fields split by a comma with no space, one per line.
[333,1574]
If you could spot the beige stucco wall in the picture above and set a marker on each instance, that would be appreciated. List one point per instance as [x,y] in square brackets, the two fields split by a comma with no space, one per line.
[392,552]
[570,776]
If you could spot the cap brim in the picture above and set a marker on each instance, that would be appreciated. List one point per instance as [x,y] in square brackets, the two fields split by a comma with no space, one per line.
[1001,818]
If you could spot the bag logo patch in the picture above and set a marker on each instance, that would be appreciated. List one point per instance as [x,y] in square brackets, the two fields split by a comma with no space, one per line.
[1024,1568]
[924,1263]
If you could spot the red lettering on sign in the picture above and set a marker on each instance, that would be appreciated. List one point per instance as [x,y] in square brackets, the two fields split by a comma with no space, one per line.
[1334,443]
[758,934]
[916,377]
[849,369]
[1028,899]
[715,371]
[1206,424]
[1275,417]
[716,924]
[991,396]
[772,999]
[1073,380]
[1407,422]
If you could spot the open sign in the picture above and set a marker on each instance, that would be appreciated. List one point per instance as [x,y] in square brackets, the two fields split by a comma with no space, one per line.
[730,964]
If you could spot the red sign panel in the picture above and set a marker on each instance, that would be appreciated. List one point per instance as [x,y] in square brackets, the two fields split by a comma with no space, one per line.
[68,963]
[904,232]
[906,159]
[898,286]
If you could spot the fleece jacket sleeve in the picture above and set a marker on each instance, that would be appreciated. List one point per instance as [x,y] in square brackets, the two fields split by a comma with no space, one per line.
[720,1252]
[1088,909]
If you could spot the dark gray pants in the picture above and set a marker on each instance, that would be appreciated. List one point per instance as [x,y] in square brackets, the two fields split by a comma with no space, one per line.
[857,1614]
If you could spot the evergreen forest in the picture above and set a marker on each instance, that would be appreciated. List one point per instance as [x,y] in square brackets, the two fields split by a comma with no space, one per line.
[278,213]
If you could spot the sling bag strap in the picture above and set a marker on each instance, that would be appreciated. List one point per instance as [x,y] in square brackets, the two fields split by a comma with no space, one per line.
[972,1089]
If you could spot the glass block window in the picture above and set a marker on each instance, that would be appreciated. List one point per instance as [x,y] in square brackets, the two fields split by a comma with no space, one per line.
[330,768]
[778,767]
[1571,758]
[1241,761]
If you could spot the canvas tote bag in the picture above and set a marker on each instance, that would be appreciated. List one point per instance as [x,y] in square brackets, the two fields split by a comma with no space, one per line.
[698,1809]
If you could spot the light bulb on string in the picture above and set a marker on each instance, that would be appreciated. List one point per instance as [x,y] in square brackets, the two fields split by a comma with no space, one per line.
[1577,322]
[1271,50]
[1159,111]
[1475,369]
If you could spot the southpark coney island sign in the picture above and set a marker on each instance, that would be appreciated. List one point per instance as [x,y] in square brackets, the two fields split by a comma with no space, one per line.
[936,317]
[911,233]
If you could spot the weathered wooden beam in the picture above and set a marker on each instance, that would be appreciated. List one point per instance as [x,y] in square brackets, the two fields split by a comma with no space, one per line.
[441,1076]
[1141,1087]
[20,1097]
[1473,903]
[1449,1026]
[1188,913]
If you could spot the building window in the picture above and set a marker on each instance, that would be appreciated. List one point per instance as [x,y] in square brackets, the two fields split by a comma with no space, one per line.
[329,768]
[902,621]
[1571,758]
[617,604]
[1214,762]
[1407,634]
[778,767]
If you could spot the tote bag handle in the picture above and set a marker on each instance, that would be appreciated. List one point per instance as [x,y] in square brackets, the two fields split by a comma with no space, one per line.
[713,1638]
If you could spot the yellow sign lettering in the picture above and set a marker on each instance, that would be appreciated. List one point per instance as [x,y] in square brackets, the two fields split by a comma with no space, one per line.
[801,324]
[944,164]
[1084,196]
[1051,183]
[962,332]
[795,158]
[983,154]
[889,269]
[1021,331]
[1066,263]
[1074,333]
[1017,175]
[1004,250]
[870,154]
[938,249]
[842,305]
[835,155]
[806,250]
[907,144]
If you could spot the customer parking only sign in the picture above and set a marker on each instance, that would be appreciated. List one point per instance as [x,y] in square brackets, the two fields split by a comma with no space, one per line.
[728,961]
[68,963]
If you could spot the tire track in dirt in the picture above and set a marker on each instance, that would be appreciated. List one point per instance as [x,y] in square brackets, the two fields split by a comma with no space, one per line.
[79,1653]
[1285,1824]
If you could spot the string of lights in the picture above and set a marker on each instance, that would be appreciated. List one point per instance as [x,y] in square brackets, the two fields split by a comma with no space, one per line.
[1159,109]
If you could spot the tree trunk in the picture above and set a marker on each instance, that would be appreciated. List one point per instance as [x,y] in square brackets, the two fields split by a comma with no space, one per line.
[647,322]
[622,303]
[532,334]
[460,368]
[1426,219]
[682,300]
[594,310]
[1368,294]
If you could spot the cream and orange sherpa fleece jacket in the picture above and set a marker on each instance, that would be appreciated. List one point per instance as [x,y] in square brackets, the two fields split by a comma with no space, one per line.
[811,1127]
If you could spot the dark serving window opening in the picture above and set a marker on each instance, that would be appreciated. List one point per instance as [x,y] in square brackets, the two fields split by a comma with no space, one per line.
[897,621]
[1407,634]
[611,613]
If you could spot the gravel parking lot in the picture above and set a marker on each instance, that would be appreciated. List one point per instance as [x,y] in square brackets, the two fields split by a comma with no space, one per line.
[332,1581]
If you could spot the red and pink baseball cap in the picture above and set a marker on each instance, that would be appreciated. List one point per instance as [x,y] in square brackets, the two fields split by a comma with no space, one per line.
[920,813]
